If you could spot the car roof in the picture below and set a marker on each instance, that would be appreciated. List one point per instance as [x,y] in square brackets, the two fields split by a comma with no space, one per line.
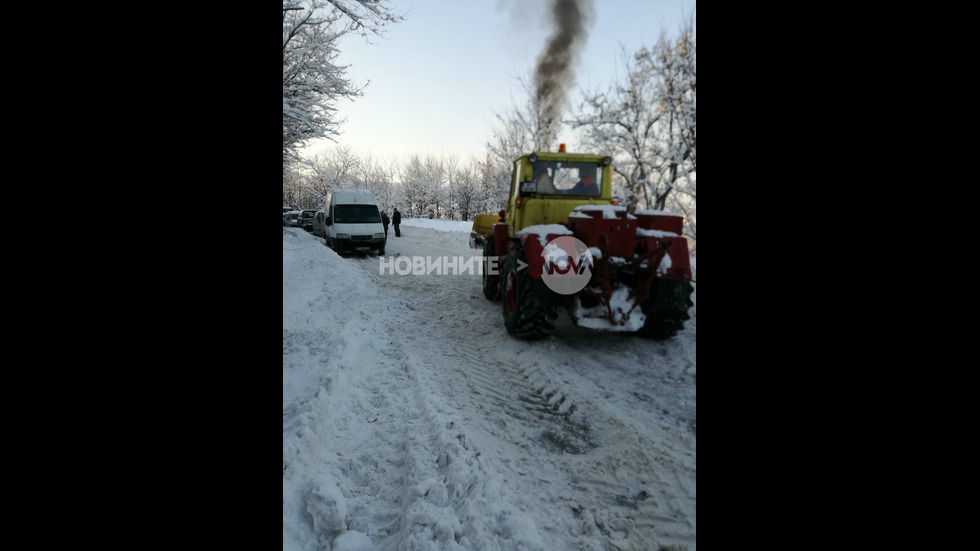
[353,196]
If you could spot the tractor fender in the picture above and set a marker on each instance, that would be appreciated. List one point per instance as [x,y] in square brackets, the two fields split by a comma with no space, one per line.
[501,239]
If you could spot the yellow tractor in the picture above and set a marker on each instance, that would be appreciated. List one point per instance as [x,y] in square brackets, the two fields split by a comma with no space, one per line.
[563,243]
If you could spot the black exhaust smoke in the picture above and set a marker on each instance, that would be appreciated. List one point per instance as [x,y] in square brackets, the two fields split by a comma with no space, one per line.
[555,71]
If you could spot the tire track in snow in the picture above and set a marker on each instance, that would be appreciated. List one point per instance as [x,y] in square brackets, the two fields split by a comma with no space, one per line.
[422,494]
[534,397]
[523,396]
[654,508]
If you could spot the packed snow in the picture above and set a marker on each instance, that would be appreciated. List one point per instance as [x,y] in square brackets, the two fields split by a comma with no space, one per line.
[609,212]
[413,421]
[642,232]
[619,306]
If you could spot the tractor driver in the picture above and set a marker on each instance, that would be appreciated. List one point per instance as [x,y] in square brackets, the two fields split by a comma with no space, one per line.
[587,184]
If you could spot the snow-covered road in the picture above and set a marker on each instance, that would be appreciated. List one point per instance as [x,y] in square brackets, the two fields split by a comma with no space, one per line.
[412,420]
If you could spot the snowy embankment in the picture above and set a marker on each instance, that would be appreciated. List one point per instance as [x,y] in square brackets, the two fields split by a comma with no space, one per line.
[412,420]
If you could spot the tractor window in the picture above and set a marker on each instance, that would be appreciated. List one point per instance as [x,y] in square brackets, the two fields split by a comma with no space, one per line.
[561,178]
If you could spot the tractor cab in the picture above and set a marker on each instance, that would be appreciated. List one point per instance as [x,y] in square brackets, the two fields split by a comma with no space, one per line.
[548,186]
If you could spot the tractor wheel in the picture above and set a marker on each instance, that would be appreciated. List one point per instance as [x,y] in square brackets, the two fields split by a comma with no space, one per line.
[525,316]
[491,283]
[667,309]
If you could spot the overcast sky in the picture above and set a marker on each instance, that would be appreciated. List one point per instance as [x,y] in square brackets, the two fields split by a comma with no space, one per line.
[437,79]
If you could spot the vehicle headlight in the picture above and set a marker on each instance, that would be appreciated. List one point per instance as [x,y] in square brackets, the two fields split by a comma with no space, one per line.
[343,236]
[379,235]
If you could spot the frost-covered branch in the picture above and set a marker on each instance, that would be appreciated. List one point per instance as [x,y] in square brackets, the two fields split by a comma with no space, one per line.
[649,121]
[311,80]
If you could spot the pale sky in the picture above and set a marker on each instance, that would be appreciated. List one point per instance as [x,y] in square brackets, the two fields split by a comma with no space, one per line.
[438,78]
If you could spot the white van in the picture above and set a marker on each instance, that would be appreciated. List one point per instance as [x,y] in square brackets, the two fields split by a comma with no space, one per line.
[353,222]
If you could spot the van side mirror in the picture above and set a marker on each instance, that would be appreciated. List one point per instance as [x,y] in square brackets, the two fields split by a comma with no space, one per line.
[328,222]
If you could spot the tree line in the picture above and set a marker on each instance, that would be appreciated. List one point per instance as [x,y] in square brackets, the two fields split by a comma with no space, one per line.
[421,187]
[646,121]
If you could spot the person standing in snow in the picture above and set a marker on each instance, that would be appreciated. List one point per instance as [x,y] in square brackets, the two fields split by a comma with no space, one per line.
[384,222]
[396,219]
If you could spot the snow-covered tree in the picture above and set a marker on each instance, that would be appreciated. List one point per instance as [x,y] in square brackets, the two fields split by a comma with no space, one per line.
[333,168]
[292,184]
[311,81]
[423,189]
[464,189]
[379,177]
[297,191]
[649,121]
[494,185]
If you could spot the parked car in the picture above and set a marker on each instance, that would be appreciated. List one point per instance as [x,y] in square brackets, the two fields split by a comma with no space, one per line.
[320,224]
[291,219]
[306,219]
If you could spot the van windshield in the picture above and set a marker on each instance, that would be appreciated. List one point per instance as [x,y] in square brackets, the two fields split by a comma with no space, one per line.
[356,214]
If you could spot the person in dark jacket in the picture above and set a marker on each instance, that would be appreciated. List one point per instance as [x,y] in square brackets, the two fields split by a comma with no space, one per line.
[587,184]
[396,219]
[384,222]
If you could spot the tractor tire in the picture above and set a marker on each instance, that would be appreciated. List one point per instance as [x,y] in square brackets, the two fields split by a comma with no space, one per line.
[667,309]
[491,283]
[525,315]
